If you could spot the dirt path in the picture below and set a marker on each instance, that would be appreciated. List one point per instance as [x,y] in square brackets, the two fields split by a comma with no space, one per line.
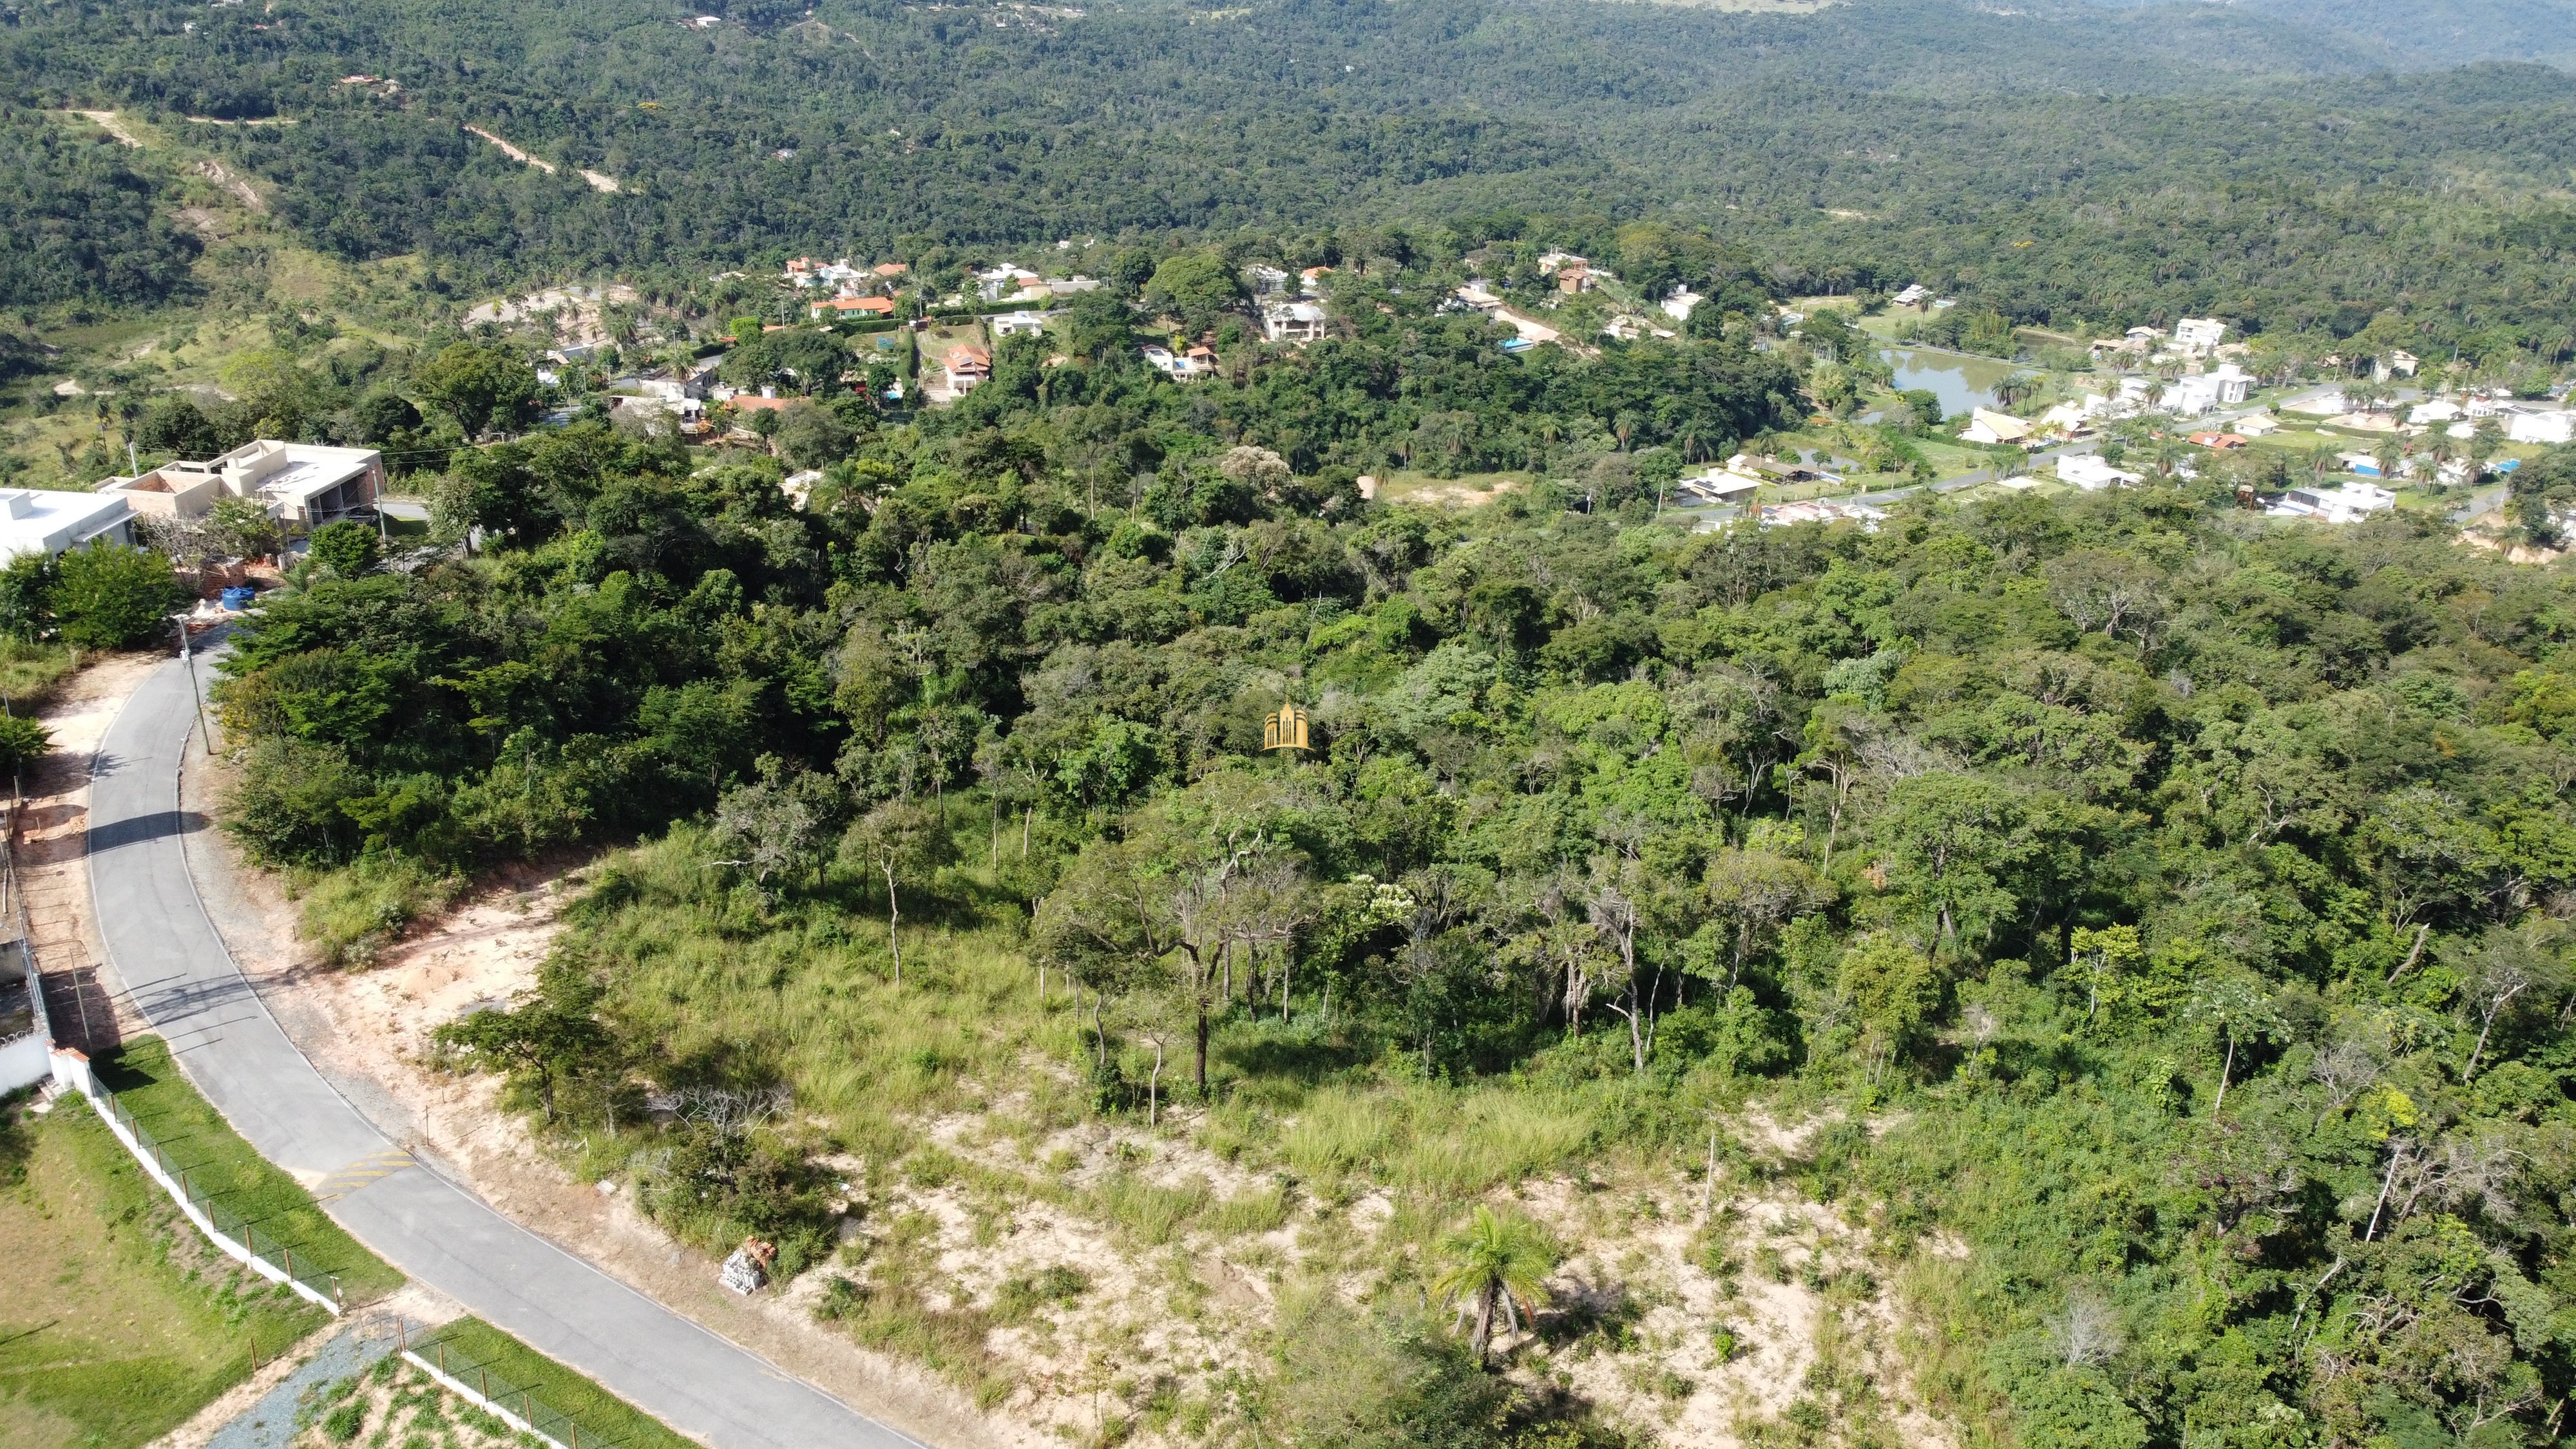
[85,1002]
[368,1033]
[107,122]
[598,182]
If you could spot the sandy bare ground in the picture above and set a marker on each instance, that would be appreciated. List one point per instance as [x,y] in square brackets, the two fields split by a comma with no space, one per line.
[106,121]
[82,994]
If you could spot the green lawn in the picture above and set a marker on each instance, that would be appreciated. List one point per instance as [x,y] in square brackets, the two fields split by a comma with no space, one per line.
[117,1319]
[486,1359]
[196,1140]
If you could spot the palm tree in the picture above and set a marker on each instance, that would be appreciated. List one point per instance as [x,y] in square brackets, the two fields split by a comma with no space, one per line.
[1495,1264]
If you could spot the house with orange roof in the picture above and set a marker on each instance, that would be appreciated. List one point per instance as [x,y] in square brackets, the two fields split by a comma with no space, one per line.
[851,307]
[967,366]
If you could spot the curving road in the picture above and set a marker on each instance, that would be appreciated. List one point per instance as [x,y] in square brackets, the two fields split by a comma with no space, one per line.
[183,980]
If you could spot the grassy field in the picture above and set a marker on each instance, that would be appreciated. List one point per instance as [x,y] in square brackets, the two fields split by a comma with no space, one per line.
[117,1320]
[196,1140]
[967,1030]
[476,1353]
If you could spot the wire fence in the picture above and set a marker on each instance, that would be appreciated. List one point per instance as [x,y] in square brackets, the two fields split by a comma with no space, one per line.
[263,1251]
[489,1385]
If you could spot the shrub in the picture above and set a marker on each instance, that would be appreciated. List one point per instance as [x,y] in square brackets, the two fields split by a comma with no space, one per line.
[21,739]
[26,597]
[347,549]
[108,597]
[353,912]
[287,807]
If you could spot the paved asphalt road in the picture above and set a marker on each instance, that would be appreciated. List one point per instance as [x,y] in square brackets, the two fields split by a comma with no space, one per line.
[166,949]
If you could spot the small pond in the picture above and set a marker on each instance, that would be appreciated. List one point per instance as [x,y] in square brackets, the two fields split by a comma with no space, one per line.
[1959,382]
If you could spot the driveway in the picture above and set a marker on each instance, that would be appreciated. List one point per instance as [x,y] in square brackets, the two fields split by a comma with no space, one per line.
[180,977]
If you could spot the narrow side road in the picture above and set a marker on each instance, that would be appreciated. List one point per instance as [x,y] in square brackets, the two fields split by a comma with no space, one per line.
[184,982]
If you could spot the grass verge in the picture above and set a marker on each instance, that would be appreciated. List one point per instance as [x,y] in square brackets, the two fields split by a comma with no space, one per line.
[117,1319]
[196,1140]
[605,1419]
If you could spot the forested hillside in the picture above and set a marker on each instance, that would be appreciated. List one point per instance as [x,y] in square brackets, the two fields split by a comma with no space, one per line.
[2170,908]
[2066,164]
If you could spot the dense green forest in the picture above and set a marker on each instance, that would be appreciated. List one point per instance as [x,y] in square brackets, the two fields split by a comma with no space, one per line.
[2068,164]
[2181,898]
[75,222]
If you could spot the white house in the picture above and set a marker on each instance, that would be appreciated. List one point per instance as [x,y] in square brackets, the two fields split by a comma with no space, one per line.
[304,483]
[2090,473]
[1912,296]
[2224,386]
[995,284]
[2539,425]
[34,520]
[1717,485]
[2067,417]
[1268,281]
[2434,412]
[1292,322]
[1012,324]
[1678,306]
[2199,334]
[2348,504]
[1985,426]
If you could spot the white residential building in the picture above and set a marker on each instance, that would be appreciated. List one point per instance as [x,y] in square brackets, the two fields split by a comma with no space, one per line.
[1012,324]
[1007,282]
[1717,485]
[40,521]
[2350,503]
[304,483]
[2068,417]
[2539,425]
[2090,473]
[1268,281]
[1292,322]
[1986,426]
[1913,296]
[2224,386]
[2199,334]
[1678,306]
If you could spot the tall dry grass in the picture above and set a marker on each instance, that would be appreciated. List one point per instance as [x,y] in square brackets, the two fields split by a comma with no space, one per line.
[724,985]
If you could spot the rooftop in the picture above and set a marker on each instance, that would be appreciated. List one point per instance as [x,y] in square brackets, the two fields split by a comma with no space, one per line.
[36,520]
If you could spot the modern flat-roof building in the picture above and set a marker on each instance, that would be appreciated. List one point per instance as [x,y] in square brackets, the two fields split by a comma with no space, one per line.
[302,483]
[36,520]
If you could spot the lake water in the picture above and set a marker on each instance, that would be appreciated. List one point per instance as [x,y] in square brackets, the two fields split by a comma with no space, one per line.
[1959,382]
